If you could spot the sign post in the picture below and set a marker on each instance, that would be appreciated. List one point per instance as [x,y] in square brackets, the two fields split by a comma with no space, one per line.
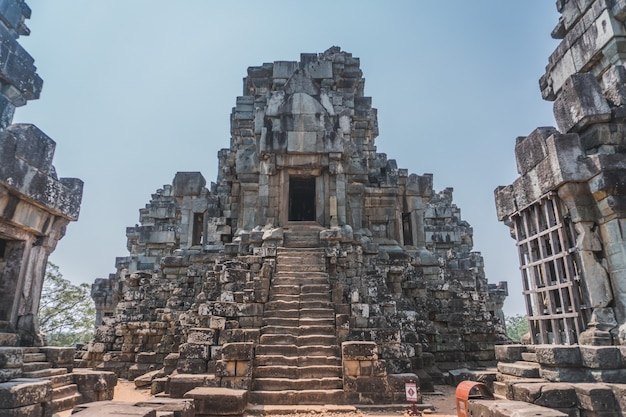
[412,395]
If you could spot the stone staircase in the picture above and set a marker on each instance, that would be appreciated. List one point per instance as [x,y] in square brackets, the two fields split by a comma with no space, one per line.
[298,359]
[65,395]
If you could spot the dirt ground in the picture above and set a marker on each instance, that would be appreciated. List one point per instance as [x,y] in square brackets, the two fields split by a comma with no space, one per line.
[442,400]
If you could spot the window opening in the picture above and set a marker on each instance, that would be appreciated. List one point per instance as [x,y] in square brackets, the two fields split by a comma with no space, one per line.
[198,229]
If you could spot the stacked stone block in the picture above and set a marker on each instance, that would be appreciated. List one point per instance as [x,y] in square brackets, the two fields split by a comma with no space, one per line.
[366,379]
[589,380]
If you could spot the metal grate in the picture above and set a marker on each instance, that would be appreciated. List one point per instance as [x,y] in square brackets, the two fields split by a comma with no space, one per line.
[550,275]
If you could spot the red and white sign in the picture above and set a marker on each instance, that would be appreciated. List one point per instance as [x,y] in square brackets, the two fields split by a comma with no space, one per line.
[410,388]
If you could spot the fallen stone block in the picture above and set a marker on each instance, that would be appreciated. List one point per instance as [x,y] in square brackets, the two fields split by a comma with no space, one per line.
[178,407]
[182,383]
[218,401]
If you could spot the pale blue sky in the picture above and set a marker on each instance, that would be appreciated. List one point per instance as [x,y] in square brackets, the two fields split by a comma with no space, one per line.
[137,90]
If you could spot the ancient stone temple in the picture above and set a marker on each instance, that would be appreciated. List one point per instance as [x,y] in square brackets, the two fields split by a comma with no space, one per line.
[567,213]
[314,270]
[35,208]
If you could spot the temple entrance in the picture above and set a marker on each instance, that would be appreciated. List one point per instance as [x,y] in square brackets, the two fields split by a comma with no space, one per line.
[301,199]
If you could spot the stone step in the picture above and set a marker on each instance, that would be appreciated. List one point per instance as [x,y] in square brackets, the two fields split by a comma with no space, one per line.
[279,384]
[312,297]
[64,391]
[282,304]
[278,339]
[279,360]
[61,380]
[35,366]
[301,239]
[294,279]
[30,350]
[520,369]
[282,313]
[67,403]
[315,289]
[325,303]
[297,372]
[280,322]
[319,321]
[34,357]
[297,267]
[308,330]
[316,313]
[295,272]
[316,339]
[293,350]
[298,397]
[285,290]
[44,373]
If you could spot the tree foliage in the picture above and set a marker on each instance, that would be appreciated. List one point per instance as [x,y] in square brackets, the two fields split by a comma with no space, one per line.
[67,312]
[516,327]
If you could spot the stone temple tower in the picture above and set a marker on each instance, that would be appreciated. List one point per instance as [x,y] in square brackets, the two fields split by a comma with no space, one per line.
[313,265]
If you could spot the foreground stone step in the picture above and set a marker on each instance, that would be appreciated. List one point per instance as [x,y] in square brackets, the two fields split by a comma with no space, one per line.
[66,397]
[298,397]
[280,384]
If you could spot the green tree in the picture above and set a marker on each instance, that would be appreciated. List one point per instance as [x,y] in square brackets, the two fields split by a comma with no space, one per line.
[67,312]
[516,327]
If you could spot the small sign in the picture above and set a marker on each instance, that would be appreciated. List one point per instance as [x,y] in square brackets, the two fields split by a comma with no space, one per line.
[410,388]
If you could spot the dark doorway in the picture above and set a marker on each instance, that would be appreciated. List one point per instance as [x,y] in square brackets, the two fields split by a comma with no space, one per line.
[11,252]
[301,199]
[407,229]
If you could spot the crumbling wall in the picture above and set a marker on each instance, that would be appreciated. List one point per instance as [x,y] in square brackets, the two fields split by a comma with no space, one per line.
[572,181]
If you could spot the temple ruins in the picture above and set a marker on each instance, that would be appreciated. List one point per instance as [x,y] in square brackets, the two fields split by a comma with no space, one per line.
[312,271]
[35,208]
[567,214]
